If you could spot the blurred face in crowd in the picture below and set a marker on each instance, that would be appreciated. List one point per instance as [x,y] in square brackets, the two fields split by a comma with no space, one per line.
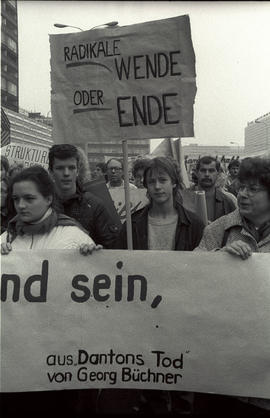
[207,175]
[159,186]
[254,201]
[98,173]
[4,190]
[138,178]
[130,176]
[234,170]
[29,203]
[65,173]
[114,173]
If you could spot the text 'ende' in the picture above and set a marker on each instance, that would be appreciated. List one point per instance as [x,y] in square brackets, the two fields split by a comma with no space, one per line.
[147,110]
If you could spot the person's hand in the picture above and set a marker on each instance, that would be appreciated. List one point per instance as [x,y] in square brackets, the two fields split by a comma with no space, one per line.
[5,248]
[89,248]
[239,248]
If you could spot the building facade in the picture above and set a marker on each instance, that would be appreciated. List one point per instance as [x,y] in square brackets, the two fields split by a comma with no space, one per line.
[257,141]
[194,151]
[29,140]
[191,153]
[9,55]
[102,151]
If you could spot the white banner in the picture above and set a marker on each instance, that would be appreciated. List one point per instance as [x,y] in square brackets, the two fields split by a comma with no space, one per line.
[28,155]
[142,319]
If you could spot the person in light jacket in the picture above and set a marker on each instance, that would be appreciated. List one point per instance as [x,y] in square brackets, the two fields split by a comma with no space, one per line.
[241,233]
[37,225]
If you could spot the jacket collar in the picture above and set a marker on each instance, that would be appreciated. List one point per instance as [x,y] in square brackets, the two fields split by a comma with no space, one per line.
[233,219]
[76,196]
[183,217]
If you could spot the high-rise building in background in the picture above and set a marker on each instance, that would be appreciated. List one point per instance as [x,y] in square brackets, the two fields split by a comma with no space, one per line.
[30,139]
[257,140]
[9,55]
[98,151]
[195,150]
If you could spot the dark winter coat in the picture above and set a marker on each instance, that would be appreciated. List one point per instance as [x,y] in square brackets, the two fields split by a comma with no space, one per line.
[188,233]
[91,213]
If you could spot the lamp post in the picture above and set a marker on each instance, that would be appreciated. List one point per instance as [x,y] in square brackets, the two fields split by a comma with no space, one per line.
[267,136]
[109,24]
[60,25]
[238,146]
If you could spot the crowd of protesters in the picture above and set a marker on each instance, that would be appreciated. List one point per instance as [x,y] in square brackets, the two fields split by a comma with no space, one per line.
[50,209]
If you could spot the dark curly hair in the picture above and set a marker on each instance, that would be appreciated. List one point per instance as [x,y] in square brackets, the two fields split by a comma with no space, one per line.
[62,152]
[39,176]
[141,163]
[102,166]
[255,169]
[207,159]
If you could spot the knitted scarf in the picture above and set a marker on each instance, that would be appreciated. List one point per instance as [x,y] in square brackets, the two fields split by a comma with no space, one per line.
[17,227]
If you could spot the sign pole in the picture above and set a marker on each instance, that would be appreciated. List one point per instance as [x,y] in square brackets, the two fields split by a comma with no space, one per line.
[182,165]
[127,194]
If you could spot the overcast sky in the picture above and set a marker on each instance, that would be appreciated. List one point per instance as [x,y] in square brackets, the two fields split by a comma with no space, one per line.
[231,44]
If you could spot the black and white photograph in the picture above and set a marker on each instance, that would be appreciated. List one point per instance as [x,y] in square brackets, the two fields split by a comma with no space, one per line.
[135,209]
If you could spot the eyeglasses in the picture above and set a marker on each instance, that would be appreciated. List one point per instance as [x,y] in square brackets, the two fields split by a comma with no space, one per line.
[116,169]
[251,189]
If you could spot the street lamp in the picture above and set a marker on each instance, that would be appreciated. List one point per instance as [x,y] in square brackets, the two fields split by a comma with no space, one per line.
[60,25]
[110,24]
[267,136]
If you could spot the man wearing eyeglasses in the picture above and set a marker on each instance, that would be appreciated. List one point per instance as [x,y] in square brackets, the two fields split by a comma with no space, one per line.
[114,171]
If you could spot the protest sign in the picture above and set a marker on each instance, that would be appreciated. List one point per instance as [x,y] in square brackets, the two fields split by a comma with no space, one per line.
[129,82]
[195,201]
[138,200]
[28,155]
[173,148]
[122,319]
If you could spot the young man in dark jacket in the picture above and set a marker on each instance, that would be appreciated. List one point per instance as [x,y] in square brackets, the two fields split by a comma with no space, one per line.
[86,208]
[164,224]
